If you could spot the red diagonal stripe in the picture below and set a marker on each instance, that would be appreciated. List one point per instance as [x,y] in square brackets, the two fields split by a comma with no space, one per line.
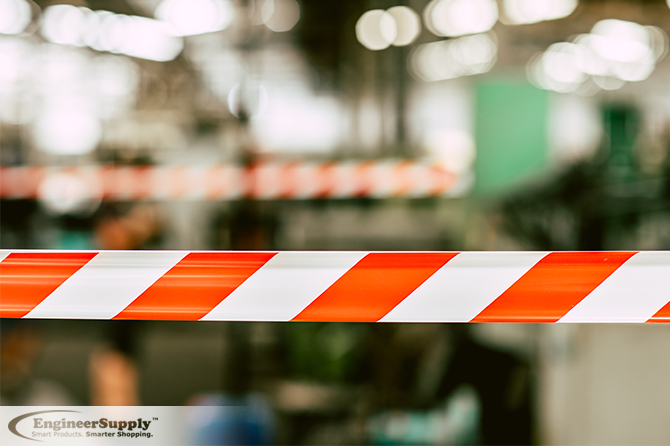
[662,315]
[373,287]
[26,279]
[553,286]
[194,286]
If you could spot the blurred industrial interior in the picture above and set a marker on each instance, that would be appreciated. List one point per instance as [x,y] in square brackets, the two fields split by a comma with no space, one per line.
[342,125]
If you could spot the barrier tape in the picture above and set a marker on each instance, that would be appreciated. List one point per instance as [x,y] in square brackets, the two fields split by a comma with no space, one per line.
[337,286]
[276,180]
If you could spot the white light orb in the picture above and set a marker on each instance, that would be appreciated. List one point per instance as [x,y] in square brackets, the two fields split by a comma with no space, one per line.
[555,70]
[65,24]
[96,30]
[280,15]
[148,39]
[460,17]
[586,59]
[64,193]
[421,63]
[609,82]
[376,30]
[588,88]
[408,25]
[454,149]
[453,58]
[659,42]
[15,56]
[63,71]
[534,71]
[299,123]
[15,16]
[632,72]
[621,41]
[476,53]
[519,12]
[66,132]
[428,17]
[559,64]
[115,75]
[115,81]
[113,32]
[250,96]
[191,17]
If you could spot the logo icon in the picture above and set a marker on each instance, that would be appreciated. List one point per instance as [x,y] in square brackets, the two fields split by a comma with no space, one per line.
[12,424]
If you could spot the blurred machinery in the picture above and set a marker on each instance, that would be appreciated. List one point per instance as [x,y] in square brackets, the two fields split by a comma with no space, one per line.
[310,125]
[612,201]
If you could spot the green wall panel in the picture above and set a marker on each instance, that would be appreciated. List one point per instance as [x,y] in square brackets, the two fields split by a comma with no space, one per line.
[511,134]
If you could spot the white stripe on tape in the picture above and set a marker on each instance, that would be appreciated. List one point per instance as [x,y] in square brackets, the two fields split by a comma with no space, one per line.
[106,285]
[463,287]
[633,293]
[4,254]
[284,286]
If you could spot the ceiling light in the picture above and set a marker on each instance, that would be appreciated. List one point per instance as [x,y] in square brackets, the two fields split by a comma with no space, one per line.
[408,25]
[191,17]
[376,29]
[15,16]
[460,17]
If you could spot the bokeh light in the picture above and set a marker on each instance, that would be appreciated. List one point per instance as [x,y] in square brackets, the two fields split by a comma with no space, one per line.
[453,18]
[116,80]
[98,29]
[376,30]
[453,149]
[560,66]
[64,24]
[299,123]
[17,104]
[105,31]
[248,96]
[221,71]
[615,52]
[149,39]
[621,41]
[14,53]
[518,12]
[15,16]
[408,25]
[63,193]
[280,15]
[66,132]
[609,82]
[575,128]
[454,58]
[191,17]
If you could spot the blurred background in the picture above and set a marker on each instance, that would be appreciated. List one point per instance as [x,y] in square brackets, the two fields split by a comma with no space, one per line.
[342,125]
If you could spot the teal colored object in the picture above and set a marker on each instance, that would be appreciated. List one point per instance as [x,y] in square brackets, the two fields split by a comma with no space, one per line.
[456,422]
[511,135]
[75,240]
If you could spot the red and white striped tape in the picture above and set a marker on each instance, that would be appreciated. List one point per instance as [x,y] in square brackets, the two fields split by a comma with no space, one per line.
[377,179]
[337,286]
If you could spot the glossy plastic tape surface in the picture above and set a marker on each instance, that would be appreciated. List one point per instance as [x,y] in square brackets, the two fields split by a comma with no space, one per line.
[337,286]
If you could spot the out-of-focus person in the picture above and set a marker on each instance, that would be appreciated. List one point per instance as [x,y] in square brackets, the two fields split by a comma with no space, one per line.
[132,229]
[113,372]
[20,345]
[113,379]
